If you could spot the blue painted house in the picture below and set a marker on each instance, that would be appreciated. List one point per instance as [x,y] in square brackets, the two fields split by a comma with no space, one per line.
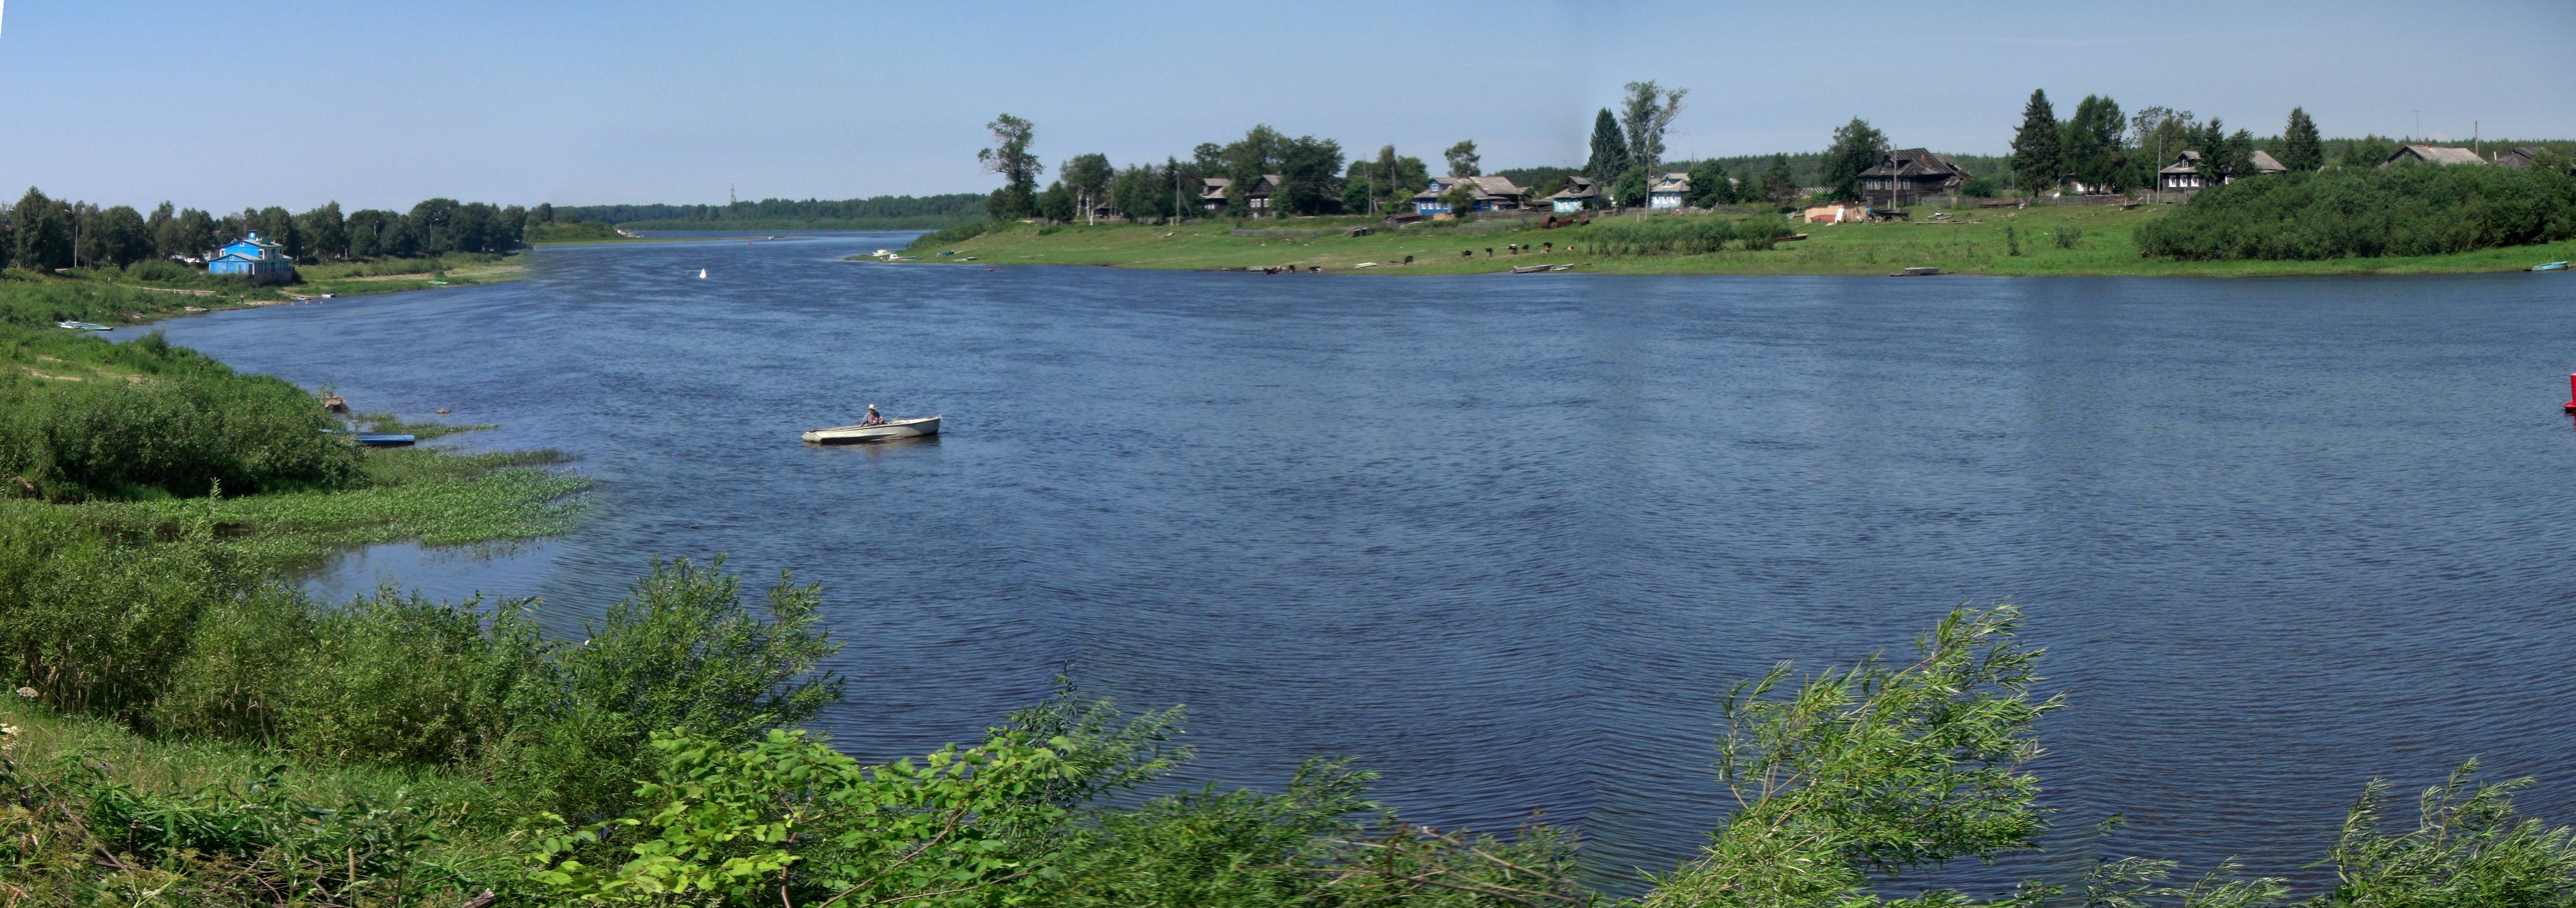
[1492,194]
[260,260]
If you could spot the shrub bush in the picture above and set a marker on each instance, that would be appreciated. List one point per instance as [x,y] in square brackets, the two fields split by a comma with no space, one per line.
[2346,213]
[1659,235]
[182,425]
[956,234]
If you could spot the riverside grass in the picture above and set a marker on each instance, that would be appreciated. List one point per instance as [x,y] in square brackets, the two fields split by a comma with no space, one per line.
[1973,241]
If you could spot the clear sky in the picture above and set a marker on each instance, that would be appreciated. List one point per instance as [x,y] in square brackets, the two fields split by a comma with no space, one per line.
[287,102]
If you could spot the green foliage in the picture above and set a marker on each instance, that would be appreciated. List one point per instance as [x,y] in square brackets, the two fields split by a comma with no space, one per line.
[1777,187]
[1878,766]
[1981,187]
[1609,149]
[574,232]
[2068,235]
[2468,848]
[1087,177]
[1630,189]
[187,426]
[2038,149]
[885,212]
[1056,203]
[1658,235]
[1462,159]
[790,818]
[1709,186]
[2351,212]
[1011,160]
[1764,233]
[1646,113]
[1856,147]
[2092,146]
[2301,149]
[681,651]
[951,235]
[77,833]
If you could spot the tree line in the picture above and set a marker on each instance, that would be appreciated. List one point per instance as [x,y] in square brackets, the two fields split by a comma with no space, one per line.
[43,233]
[1316,176]
[885,212]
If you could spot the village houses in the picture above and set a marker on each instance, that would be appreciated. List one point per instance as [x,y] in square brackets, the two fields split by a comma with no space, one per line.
[1668,193]
[1491,194]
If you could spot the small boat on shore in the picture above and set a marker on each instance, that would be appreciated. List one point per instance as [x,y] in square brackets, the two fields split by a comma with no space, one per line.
[385,439]
[2549,266]
[1917,271]
[885,431]
[83,326]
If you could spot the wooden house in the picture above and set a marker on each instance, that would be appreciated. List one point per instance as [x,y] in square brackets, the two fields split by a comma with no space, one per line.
[260,260]
[1491,194]
[1256,196]
[2184,176]
[1668,193]
[2522,157]
[1578,195]
[1910,173]
[2431,154]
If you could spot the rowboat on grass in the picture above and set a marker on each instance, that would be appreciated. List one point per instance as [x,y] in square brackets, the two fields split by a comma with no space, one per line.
[2550,266]
[82,326]
[885,431]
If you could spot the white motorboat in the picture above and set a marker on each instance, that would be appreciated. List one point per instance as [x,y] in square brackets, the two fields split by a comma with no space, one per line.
[885,431]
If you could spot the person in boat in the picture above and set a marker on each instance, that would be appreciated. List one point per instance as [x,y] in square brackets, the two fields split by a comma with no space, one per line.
[873,419]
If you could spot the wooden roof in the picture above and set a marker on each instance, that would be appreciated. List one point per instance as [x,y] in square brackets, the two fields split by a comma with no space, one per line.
[1916,162]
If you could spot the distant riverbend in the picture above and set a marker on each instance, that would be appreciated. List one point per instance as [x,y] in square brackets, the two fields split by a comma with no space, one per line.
[1508,538]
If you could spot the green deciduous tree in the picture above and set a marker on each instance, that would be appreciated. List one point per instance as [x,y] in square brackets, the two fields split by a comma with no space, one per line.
[1087,176]
[1709,185]
[2094,150]
[2301,149]
[1645,114]
[41,232]
[1308,167]
[1630,188]
[1019,169]
[327,231]
[1462,159]
[1056,203]
[123,238]
[1856,147]
[1609,150]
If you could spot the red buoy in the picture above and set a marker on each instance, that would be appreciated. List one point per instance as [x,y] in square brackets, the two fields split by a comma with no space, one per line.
[2571,393]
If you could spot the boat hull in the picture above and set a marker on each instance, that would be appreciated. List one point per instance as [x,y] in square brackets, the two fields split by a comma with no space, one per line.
[888,431]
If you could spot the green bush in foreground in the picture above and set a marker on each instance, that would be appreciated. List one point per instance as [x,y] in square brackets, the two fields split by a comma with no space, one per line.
[165,421]
[2358,213]
[1844,780]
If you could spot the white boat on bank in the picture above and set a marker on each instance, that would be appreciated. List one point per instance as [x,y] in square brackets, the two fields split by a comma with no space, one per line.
[885,431]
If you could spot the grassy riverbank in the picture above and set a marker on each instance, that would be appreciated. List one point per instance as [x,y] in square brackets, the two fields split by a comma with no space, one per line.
[2098,240]
[153,290]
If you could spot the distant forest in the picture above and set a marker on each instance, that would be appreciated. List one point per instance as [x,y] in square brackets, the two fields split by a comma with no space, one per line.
[885,212]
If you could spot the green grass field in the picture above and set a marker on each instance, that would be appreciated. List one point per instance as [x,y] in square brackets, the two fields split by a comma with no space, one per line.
[1975,242]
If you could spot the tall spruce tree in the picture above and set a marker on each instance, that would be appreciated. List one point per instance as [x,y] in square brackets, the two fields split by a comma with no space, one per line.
[1609,150]
[2301,149]
[2038,158]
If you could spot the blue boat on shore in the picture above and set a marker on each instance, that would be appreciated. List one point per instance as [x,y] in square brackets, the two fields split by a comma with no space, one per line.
[2549,266]
[376,439]
[83,326]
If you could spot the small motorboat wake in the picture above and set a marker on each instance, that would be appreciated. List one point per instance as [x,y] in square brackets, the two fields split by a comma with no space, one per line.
[888,430]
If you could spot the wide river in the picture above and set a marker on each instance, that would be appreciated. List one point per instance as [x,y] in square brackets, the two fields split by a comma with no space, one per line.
[1508,539]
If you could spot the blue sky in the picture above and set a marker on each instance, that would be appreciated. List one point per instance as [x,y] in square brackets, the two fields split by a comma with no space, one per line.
[576,102]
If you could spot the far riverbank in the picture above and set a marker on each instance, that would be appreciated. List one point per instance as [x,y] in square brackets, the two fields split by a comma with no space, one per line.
[2034,241]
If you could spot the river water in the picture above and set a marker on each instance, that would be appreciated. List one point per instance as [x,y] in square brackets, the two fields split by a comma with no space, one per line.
[1507,539]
